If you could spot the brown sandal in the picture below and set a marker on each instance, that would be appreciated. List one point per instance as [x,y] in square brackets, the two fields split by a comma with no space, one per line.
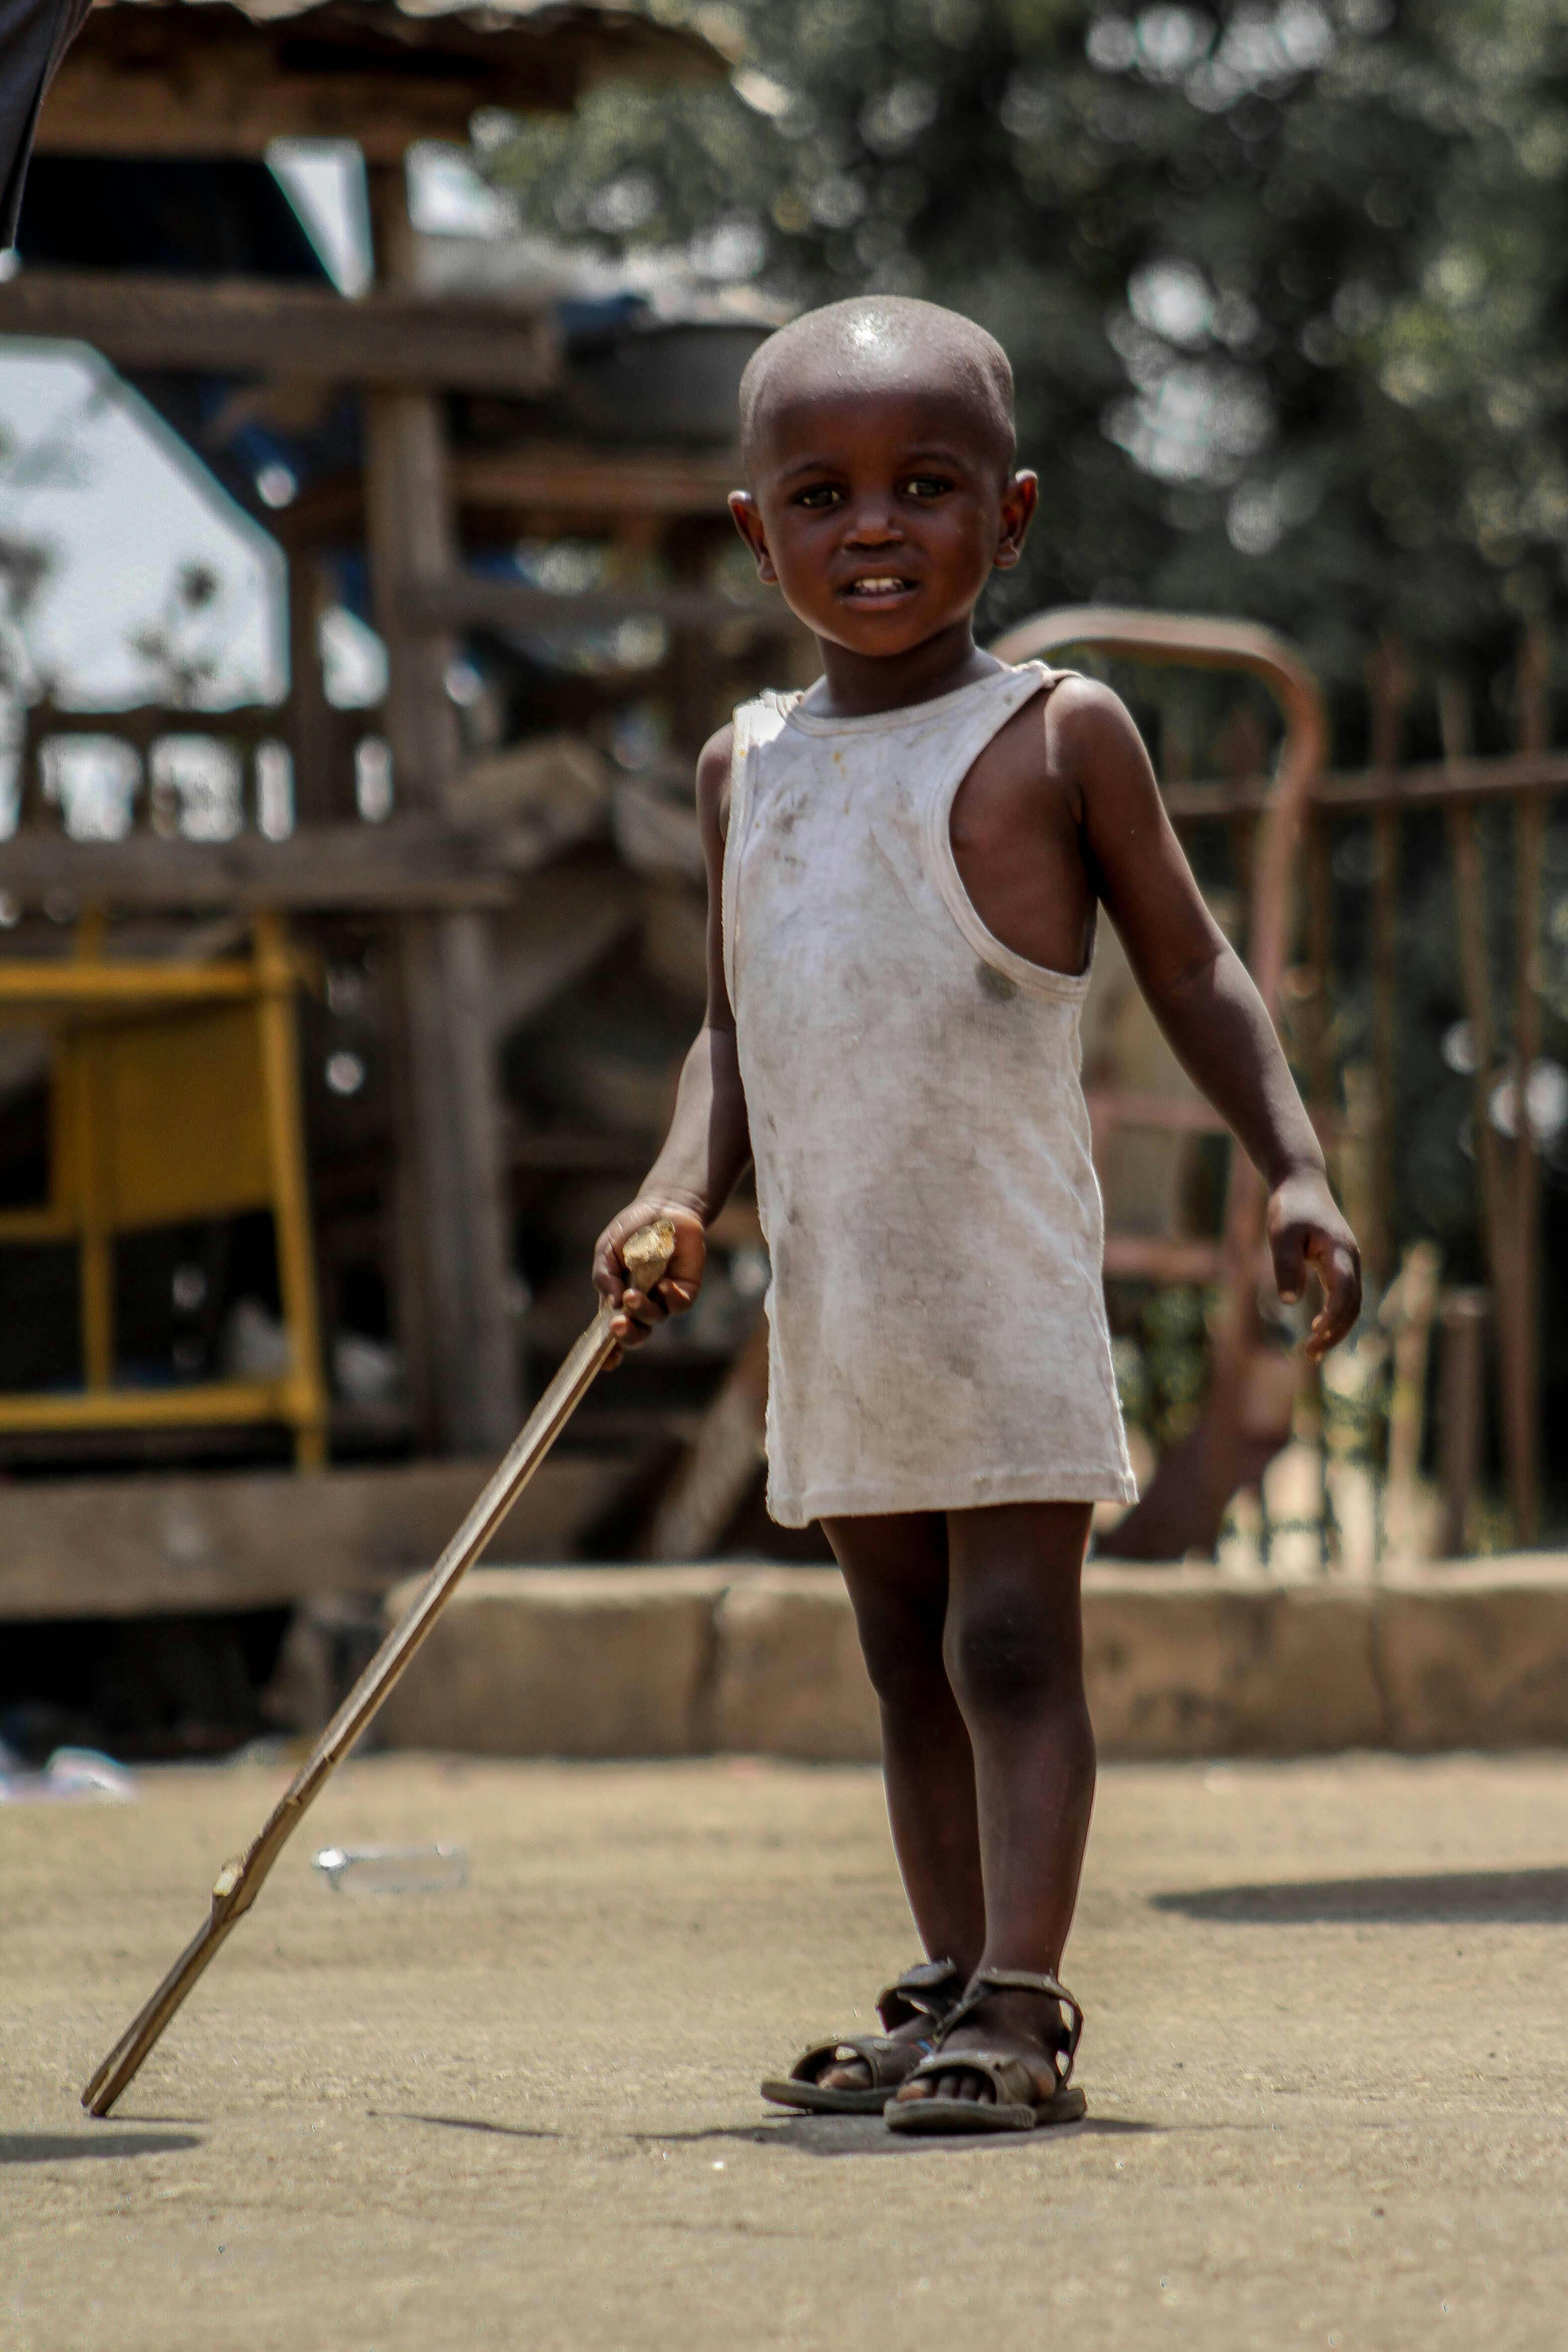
[1018,2104]
[930,1990]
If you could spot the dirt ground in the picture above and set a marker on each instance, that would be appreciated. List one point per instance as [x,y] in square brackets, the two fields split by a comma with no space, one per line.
[1325,2060]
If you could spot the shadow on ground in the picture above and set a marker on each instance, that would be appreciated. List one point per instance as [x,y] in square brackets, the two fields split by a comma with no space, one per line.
[472,2124]
[869,2135]
[1455,1897]
[64,2147]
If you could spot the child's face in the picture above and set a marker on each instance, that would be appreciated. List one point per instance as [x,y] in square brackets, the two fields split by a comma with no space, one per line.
[881,514]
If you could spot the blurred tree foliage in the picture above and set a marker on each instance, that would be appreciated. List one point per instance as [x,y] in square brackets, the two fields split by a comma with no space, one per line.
[1283,281]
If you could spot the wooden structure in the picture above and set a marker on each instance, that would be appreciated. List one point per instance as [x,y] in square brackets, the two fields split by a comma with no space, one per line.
[165,78]
[159,78]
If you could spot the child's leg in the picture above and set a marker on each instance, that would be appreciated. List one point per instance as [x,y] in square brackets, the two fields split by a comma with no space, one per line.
[1014,1653]
[896,1571]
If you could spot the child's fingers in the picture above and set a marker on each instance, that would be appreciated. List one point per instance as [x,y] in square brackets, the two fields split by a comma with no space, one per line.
[629,1328]
[1338,1269]
[1290,1262]
[609,1275]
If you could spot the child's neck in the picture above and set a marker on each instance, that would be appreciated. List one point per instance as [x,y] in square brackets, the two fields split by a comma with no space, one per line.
[858,685]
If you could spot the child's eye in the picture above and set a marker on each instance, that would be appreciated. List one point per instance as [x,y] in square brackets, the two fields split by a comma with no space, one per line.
[819,497]
[925,485]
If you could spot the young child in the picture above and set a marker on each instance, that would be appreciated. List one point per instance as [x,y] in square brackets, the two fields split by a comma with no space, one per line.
[905,865]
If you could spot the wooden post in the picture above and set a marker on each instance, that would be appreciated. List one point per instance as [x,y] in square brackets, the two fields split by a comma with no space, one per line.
[711,1483]
[86,1063]
[1320,957]
[1461,1397]
[320,797]
[1524,1314]
[1409,1311]
[95,1244]
[454,1282]
[279,1049]
[1384,1033]
[1496,1210]
[470,1326]
[1389,682]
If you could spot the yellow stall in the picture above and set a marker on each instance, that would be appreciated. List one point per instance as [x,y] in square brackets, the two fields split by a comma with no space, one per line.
[173,1095]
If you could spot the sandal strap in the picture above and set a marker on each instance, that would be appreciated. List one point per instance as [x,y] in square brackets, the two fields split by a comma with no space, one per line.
[930,1989]
[989,1981]
[1009,2076]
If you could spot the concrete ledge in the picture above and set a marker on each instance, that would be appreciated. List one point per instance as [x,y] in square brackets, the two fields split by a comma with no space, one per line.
[1475,1654]
[789,1679]
[562,1661]
[1179,1663]
[127,1547]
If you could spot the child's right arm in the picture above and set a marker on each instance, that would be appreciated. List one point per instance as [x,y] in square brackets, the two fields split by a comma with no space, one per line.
[708,1145]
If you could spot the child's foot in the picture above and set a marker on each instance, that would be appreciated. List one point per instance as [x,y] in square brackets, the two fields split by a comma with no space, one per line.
[849,2073]
[1021,2030]
[1009,2026]
[858,2073]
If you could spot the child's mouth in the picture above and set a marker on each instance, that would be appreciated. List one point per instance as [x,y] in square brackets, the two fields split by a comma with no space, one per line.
[878,588]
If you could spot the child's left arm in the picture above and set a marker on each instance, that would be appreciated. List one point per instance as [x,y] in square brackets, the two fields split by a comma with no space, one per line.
[1201,994]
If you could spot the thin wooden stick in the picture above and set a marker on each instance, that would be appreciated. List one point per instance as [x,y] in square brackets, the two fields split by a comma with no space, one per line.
[646,1256]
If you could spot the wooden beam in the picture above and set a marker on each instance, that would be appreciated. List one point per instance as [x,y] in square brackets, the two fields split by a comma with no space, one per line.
[214,81]
[1360,792]
[410,862]
[1147,1257]
[468,601]
[566,488]
[553,479]
[242,326]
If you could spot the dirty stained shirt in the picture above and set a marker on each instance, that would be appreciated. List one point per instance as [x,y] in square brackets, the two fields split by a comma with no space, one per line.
[937,1322]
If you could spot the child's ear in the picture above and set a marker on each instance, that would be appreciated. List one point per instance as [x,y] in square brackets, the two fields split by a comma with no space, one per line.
[1018,501]
[749,523]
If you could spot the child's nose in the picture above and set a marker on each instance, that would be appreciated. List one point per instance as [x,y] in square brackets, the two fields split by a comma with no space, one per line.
[873,526]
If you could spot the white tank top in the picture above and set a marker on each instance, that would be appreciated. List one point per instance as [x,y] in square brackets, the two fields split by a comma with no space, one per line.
[937,1333]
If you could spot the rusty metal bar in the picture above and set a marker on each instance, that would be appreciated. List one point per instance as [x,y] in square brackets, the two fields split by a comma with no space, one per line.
[1385,1018]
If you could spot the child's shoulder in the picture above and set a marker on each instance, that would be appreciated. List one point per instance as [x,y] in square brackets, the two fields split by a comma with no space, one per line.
[754,722]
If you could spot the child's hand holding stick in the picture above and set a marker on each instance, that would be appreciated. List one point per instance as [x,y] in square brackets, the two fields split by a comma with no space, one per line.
[639,1313]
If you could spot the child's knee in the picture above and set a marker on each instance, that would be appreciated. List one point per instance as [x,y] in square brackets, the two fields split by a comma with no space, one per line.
[903,1653]
[1007,1658]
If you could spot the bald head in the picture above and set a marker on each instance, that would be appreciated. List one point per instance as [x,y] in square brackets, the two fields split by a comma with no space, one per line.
[881,344]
